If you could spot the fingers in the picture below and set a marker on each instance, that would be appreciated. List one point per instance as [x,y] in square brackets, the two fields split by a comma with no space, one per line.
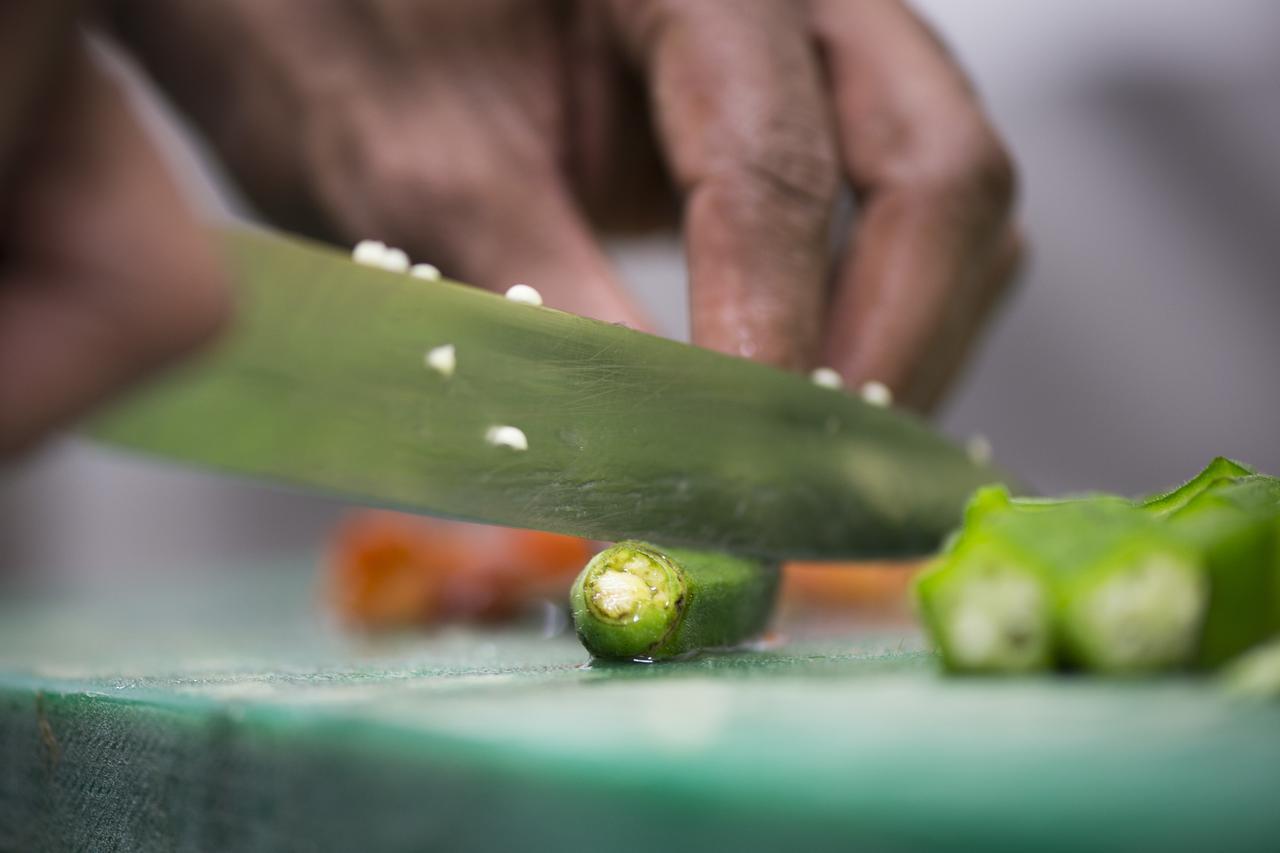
[485,225]
[746,130]
[543,240]
[934,245]
[105,273]
[450,146]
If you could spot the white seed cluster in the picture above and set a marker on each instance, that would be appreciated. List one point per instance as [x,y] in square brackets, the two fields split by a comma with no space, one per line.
[826,377]
[507,436]
[1146,616]
[619,594]
[375,253]
[996,622]
[524,294]
[442,359]
[876,393]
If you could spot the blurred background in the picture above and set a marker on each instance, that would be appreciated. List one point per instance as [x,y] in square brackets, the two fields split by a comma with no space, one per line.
[1141,342]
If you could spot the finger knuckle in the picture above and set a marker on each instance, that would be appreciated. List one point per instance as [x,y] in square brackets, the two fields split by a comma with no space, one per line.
[791,169]
[969,162]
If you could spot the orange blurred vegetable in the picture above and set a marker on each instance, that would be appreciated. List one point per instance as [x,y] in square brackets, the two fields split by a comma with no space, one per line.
[872,585]
[389,569]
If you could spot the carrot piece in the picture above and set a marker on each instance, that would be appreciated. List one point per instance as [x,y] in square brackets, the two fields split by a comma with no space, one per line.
[389,569]
[847,585]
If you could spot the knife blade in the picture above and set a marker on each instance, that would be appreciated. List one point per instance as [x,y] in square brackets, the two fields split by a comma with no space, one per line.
[323,383]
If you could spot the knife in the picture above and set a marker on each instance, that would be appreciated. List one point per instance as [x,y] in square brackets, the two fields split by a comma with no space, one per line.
[333,379]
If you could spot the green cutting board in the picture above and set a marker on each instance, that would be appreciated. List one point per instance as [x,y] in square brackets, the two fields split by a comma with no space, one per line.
[229,715]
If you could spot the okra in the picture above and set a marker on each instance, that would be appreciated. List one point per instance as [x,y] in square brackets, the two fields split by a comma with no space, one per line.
[1236,525]
[1187,577]
[636,601]
[1219,470]
[1131,596]
[1095,583]
[988,606]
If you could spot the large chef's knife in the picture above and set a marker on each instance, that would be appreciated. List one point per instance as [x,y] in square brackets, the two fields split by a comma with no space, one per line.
[324,383]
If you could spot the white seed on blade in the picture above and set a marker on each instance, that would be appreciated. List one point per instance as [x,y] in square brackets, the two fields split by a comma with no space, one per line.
[442,359]
[525,294]
[876,393]
[395,260]
[369,252]
[507,436]
[426,271]
[827,378]
[979,449]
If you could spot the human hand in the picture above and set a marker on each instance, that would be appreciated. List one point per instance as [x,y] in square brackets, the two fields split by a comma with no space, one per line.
[103,272]
[488,137]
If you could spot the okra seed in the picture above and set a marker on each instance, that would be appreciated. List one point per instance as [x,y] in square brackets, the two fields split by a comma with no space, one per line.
[395,260]
[442,359]
[369,252]
[876,393]
[525,294]
[619,594]
[826,377]
[507,436]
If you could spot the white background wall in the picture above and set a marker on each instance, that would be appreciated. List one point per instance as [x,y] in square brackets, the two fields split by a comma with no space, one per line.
[1143,341]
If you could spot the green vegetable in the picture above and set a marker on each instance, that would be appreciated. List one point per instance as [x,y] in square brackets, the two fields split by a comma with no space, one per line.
[1236,526]
[988,606]
[1129,595]
[1219,470]
[1089,582]
[1189,577]
[635,601]
[327,380]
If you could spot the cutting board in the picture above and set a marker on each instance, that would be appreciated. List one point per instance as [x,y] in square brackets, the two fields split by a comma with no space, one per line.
[228,713]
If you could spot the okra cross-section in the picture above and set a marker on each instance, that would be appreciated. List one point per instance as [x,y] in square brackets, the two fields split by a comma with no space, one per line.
[988,608]
[636,601]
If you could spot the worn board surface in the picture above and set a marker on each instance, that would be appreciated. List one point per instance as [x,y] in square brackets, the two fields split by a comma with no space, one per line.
[228,715]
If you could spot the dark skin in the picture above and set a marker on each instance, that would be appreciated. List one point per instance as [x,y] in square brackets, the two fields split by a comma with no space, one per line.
[499,138]
[104,272]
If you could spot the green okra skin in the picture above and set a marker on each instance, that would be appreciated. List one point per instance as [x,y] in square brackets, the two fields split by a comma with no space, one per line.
[636,601]
[1219,470]
[995,499]
[1236,526]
